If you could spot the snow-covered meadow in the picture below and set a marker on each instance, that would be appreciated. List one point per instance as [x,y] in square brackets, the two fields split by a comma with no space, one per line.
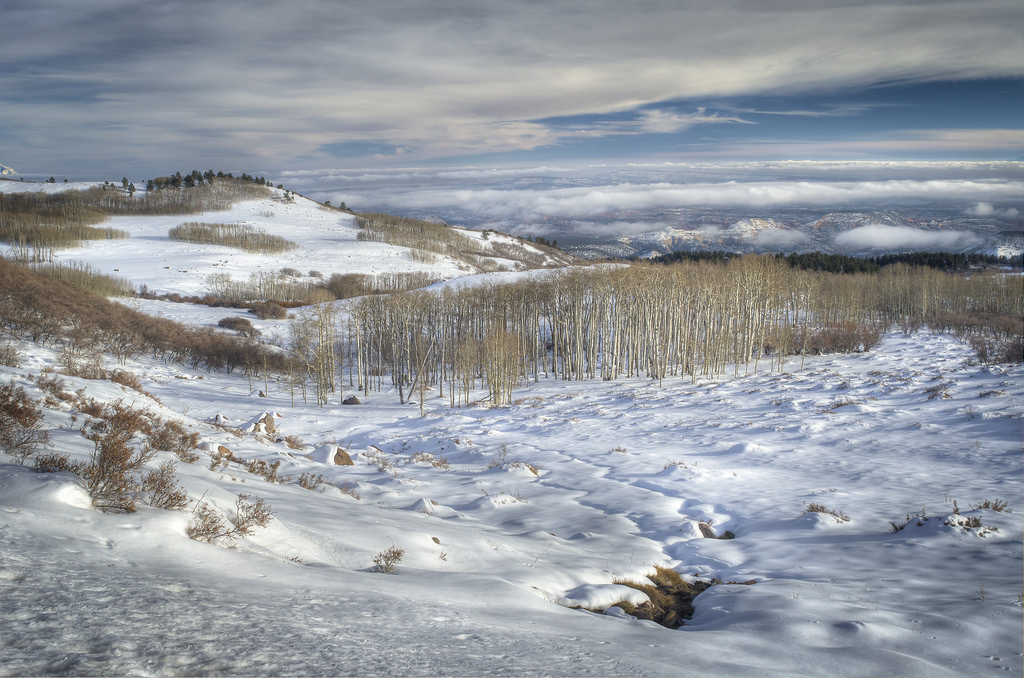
[510,517]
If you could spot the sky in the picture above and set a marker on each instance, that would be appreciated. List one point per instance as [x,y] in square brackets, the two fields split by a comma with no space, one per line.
[107,88]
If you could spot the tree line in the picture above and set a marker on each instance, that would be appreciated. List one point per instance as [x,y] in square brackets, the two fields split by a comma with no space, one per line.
[841,263]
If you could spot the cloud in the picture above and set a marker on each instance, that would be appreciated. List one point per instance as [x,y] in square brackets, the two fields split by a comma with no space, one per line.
[778,237]
[884,237]
[584,201]
[280,84]
[984,209]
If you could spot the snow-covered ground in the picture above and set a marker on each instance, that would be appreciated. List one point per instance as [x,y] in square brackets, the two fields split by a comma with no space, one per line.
[494,553]
[326,242]
[528,510]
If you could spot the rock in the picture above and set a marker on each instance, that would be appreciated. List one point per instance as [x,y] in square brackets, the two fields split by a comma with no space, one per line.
[351,400]
[331,454]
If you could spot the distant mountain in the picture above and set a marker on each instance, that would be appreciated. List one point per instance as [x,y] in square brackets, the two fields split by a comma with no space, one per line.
[867,233]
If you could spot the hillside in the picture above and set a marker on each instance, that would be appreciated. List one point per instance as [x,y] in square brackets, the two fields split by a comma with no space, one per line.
[834,514]
[326,243]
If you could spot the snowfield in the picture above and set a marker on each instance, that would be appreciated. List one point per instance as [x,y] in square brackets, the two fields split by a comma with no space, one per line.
[510,517]
[494,552]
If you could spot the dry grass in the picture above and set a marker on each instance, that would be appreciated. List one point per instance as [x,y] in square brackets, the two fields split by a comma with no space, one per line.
[670,597]
[815,507]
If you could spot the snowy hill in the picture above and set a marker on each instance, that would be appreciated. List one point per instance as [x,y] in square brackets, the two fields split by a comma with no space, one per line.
[326,238]
[860,491]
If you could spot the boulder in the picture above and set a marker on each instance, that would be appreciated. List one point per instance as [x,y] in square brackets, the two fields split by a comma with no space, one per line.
[351,400]
[331,454]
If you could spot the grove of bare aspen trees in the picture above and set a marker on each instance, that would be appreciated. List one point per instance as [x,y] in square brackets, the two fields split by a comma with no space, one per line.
[684,321]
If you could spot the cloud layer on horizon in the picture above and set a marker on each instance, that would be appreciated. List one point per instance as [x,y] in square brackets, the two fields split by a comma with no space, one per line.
[886,237]
[113,83]
[590,201]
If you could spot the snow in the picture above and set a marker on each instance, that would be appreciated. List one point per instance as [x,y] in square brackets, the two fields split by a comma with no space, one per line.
[495,553]
[544,505]
[326,240]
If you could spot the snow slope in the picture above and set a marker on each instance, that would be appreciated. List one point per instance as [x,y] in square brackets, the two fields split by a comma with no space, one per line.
[326,240]
[493,552]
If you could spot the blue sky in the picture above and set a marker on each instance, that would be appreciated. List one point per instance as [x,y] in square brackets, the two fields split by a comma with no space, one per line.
[105,88]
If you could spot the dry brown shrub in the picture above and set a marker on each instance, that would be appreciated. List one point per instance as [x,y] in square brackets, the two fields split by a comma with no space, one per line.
[209,526]
[54,385]
[21,423]
[268,310]
[55,462]
[997,505]
[128,379]
[815,507]
[267,470]
[386,562]
[162,490]
[172,436]
[312,481]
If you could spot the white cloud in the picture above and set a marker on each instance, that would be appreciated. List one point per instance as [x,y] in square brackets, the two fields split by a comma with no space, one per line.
[778,237]
[586,201]
[885,237]
[985,209]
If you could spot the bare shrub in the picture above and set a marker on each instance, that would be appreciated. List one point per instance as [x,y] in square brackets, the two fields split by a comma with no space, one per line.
[386,562]
[54,385]
[842,337]
[939,390]
[87,278]
[172,436]
[312,481]
[261,468]
[21,423]
[55,462]
[10,355]
[268,310]
[241,325]
[293,442]
[918,518]
[350,490]
[220,458]
[997,505]
[208,526]
[378,457]
[161,488]
[436,462]
[127,379]
[87,364]
[250,514]
[111,476]
[815,507]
